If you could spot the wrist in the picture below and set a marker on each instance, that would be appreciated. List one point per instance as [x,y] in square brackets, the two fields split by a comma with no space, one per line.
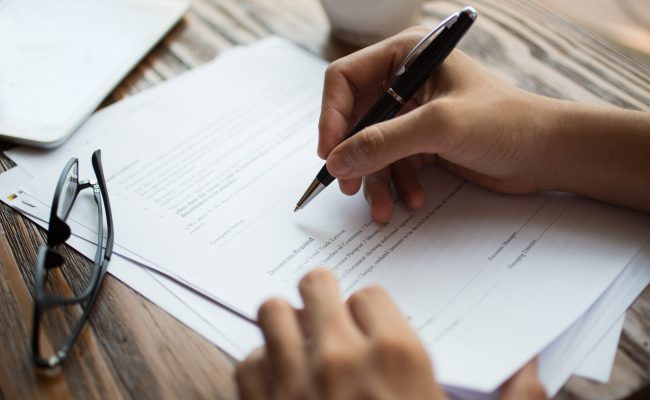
[595,151]
[549,123]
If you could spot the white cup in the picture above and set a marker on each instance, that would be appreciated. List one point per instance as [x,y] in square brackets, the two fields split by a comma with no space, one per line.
[363,22]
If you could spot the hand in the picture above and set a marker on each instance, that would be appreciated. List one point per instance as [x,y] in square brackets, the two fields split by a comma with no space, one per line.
[479,127]
[363,349]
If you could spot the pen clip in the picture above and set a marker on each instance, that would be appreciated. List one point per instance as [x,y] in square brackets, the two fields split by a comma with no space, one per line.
[446,23]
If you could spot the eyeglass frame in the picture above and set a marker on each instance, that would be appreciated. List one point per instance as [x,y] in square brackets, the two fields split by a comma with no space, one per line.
[48,257]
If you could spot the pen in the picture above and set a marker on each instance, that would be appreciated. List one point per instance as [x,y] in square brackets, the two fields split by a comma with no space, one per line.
[416,68]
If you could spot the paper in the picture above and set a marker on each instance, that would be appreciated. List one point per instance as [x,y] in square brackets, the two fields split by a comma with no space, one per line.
[488,280]
[238,337]
[599,363]
[556,368]
[233,334]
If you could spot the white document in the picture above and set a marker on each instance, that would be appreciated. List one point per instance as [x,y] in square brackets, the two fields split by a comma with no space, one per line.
[599,363]
[233,334]
[209,167]
[559,362]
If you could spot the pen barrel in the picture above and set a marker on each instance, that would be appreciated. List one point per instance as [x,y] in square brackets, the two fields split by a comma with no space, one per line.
[384,108]
[324,176]
[431,58]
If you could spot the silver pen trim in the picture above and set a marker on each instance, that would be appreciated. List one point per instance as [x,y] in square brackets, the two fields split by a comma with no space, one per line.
[396,96]
[312,191]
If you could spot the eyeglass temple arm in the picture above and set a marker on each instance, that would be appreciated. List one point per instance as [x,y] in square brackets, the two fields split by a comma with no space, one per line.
[99,172]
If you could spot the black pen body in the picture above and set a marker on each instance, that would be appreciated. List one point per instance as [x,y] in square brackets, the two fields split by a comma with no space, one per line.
[412,79]
[384,109]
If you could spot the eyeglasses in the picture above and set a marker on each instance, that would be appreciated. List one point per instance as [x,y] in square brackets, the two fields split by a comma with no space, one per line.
[62,310]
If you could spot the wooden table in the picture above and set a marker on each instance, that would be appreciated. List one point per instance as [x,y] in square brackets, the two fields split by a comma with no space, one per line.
[133,349]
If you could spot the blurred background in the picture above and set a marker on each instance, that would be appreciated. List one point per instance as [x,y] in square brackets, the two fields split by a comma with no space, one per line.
[624,22]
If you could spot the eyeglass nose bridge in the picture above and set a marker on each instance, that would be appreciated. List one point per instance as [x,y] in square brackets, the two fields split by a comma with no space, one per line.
[86,183]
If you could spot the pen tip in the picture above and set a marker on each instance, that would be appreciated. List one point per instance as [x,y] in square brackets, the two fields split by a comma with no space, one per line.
[296,209]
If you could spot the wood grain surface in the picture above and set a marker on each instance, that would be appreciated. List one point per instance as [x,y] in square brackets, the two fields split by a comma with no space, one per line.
[626,22]
[133,349]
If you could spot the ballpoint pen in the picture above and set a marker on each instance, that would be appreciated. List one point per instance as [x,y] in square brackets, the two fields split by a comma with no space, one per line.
[416,68]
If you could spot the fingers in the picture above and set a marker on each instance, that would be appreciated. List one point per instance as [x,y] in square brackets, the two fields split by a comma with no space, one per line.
[349,186]
[337,351]
[405,177]
[324,315]
[252,377]
[395,346]
[524,385]
[284,345]
[378,193]
[359,72]
[376,188]
[376,314]
[423,130]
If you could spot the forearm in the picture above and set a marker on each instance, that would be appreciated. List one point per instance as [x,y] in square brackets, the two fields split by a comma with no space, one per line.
[599,152]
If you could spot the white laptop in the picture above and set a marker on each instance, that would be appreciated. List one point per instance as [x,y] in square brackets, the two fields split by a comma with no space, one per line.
[60,58]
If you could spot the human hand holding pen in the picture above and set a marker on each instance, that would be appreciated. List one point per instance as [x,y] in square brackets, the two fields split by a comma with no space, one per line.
[479,127]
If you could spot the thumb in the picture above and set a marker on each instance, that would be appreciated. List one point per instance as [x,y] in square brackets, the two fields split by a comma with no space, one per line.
[379,145]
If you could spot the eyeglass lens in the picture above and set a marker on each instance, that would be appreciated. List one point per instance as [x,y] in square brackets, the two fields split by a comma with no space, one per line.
[68,191]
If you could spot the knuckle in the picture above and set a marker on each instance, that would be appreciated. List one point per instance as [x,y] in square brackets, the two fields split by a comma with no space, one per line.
[331,69]
[334,69]
[325,130]
[399,351]
[293,388]
[332,366]
[392,347]
[370,143]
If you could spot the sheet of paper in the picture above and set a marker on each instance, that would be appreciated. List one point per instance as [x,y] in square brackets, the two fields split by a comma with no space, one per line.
[216,159]
[599,363]
[558,363]
[233,334]
[600,326]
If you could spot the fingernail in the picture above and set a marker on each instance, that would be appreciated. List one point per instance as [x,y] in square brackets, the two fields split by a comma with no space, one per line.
[337,165]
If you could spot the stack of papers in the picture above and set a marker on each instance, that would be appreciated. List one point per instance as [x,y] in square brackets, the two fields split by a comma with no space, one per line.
[206,167]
